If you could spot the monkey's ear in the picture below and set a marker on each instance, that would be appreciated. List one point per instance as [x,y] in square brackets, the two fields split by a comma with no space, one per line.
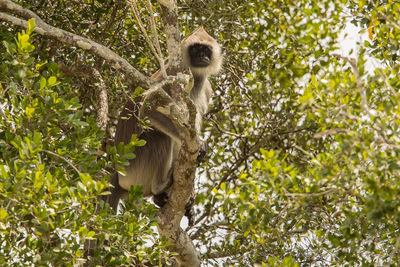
[222,49]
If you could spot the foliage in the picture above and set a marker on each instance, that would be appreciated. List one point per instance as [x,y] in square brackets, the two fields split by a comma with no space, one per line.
[52,173]
[323,188]
[303,167]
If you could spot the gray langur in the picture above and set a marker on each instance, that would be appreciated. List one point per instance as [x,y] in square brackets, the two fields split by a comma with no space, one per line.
[153,165]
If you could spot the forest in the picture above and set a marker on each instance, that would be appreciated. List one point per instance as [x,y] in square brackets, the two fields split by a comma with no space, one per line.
[302,154]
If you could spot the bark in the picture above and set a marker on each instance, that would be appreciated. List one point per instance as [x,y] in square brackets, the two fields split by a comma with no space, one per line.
[169,16]
[182,112]
[102,101]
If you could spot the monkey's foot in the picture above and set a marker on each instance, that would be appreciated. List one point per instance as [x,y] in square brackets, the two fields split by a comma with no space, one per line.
[203,147]
[160,199]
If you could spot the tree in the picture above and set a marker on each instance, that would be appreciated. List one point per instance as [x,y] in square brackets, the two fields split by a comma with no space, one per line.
[303,162]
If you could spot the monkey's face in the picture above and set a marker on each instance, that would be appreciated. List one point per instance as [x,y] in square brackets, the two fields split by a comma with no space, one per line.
[200,55]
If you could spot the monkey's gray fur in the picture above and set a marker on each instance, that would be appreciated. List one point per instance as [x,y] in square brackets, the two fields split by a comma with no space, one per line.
[152,167]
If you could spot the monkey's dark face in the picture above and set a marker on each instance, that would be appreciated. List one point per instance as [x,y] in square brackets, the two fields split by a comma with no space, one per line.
[200,55]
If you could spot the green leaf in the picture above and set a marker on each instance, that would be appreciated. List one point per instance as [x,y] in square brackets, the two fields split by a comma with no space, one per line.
[3,214]
[52,81]
[42,82]
[223,186]
[31,26]
[29,111]
[10,47]
[91,234]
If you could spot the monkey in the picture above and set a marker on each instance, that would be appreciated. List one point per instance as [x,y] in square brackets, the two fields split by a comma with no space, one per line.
[153,165]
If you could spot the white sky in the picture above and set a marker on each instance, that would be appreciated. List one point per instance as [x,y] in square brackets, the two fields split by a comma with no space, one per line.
[350,41]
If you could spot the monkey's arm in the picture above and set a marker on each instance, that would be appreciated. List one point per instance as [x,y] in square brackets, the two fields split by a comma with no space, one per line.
[162,110]
[162,123]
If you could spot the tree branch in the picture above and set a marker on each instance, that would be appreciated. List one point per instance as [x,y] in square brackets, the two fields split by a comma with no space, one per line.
[181,111]
[226,132]
[155,36]
[319,194]
[169,16]
[64,159]
[363,93]
[331,132]
[394,24]
[72,39]
[102,101]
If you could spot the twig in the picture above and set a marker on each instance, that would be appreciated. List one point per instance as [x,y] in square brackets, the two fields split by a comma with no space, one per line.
[311,194]
[226,132]
[302,150]
[395,249]
[155,39]
[331,132]
[149,42]
[361,88]
[64,159]
[3,113]
[394,24]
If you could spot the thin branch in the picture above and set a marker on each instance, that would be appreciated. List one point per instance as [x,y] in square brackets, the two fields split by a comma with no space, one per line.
[363,93]
[302,150]
[395,249]
[226,132]
[361,88]
[331,132]
[158,56]
[80,69]
[327,192]
[394,24]
[156,41]
[86,44]
[254,149]
[3,113]
[64,159]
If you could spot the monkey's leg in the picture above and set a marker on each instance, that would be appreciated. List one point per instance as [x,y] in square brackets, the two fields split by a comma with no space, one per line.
[162,198]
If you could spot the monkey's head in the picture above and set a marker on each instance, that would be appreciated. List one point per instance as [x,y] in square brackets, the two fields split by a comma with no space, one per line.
[201,53]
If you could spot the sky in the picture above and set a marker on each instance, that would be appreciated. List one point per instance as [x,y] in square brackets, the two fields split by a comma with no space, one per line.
[349,42]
